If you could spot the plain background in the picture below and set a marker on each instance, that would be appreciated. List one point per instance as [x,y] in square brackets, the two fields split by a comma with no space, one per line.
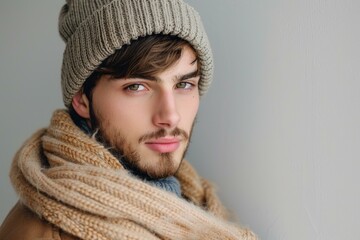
[278,131]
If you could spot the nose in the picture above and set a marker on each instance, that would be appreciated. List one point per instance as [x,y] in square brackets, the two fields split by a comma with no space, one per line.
[166,113]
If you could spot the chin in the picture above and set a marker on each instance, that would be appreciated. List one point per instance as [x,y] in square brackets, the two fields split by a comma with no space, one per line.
[165,166]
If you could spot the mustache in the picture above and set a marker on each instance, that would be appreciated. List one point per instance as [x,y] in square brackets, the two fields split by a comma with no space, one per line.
[163,133]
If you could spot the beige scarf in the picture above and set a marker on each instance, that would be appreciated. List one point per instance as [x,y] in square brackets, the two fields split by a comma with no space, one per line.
[73,182]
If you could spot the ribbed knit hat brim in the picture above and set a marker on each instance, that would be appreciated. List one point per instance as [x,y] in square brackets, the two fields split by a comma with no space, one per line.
[94,30]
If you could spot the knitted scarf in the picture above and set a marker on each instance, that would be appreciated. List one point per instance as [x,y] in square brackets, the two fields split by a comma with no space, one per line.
[75,183]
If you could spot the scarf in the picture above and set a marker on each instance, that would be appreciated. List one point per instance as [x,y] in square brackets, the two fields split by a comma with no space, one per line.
[75,183]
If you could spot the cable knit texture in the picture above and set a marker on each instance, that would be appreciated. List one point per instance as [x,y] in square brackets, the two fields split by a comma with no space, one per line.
[73,182]
[94,30]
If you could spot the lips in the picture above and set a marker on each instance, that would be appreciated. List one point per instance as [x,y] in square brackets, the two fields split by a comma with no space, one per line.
[163,145]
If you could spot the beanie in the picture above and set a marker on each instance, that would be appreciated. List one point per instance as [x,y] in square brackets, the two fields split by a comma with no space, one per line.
[94,29]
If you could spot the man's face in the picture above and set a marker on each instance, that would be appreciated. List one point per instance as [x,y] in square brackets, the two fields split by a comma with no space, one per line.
[150,120]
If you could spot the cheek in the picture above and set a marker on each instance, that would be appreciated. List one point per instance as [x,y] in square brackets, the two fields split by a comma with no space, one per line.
[128,117]
[112,104]
[189,109]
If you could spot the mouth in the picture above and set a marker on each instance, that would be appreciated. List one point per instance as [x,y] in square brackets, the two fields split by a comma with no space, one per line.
[163,145]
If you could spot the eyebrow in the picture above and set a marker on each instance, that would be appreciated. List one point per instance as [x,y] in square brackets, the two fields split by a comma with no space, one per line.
[188,75]
[178,78]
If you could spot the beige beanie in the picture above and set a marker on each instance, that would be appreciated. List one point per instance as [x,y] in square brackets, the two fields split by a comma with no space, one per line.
[94,29]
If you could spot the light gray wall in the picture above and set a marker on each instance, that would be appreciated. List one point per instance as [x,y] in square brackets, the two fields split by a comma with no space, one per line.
[278,131]
[30,60]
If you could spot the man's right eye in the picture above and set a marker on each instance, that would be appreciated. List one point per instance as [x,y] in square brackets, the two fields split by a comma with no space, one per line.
[135,87]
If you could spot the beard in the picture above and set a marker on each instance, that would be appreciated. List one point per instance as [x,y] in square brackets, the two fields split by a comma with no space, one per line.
[115,140]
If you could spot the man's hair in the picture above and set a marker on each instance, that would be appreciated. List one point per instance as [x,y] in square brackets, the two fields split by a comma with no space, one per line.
[143,58]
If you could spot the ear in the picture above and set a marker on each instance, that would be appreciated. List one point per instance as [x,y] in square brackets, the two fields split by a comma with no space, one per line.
[81,105]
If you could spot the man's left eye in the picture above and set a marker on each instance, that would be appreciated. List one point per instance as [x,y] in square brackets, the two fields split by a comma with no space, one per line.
[184,85]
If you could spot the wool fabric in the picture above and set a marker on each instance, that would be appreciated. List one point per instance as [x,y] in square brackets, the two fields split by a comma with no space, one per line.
[73,182]
[94,30]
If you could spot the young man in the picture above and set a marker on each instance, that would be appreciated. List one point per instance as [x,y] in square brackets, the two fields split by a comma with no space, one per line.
[111,166]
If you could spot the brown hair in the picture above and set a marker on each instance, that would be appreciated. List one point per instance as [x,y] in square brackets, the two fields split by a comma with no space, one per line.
[144,57]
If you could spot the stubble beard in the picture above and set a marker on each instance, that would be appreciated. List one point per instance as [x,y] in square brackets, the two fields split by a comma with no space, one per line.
[130,157]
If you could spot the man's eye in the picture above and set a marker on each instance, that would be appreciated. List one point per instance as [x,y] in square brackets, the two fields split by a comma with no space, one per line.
[184,85]
[135,87]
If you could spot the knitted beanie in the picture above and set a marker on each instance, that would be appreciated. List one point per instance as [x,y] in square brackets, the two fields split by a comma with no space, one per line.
[94,29]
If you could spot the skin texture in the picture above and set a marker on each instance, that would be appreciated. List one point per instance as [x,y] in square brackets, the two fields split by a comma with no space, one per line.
[148,120]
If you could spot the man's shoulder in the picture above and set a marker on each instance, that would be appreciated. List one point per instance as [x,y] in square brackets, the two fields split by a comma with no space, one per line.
[22,223]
